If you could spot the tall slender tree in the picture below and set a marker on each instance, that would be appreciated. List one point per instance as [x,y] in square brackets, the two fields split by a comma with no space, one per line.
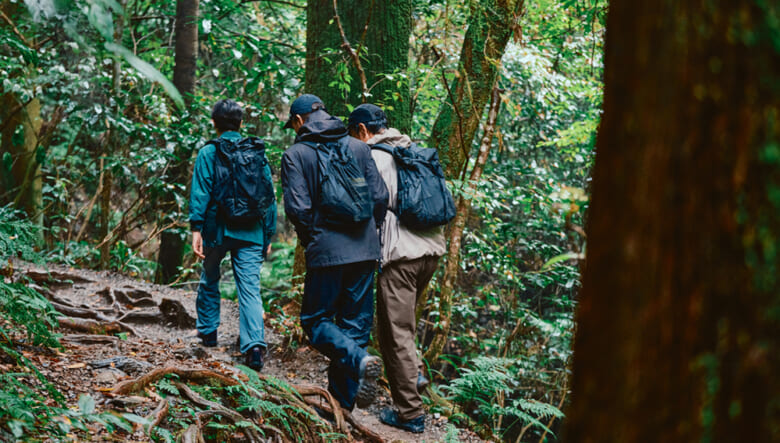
[490,26]
[679,318]
[186,34]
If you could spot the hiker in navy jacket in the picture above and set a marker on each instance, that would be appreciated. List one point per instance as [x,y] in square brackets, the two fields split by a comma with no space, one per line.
[213,238]
[338,299]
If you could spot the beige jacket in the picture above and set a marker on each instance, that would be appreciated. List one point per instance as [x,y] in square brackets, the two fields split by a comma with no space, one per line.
[398,242]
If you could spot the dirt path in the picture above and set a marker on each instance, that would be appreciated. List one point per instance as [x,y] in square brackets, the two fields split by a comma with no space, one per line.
[159,332]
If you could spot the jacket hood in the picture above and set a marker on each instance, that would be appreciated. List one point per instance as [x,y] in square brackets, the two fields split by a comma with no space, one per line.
[322,128]
[391,137]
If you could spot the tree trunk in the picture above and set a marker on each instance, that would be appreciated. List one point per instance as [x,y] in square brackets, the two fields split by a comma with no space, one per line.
[679,318]
[186,33]
[452,267]
[490,26]
[22,184]
[380,28]
[380,31]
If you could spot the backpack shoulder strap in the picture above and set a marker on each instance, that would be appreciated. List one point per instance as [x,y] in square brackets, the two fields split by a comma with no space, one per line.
[383,147]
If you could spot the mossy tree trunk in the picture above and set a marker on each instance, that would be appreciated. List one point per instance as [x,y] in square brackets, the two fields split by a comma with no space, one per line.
[679,317]
[186,33]
[380,31]
[490,26]
[22,155]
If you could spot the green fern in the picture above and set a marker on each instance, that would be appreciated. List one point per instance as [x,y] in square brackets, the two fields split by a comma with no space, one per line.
[479,388]
[166,386]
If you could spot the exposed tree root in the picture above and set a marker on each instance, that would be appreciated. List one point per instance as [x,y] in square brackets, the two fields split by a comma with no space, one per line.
[88,339]
[157,416]
[217,409]
[202,376]
[305,424]
[191,435]
[95,326]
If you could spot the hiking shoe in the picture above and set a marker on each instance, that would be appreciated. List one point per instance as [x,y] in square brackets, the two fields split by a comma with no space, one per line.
[208,340]
[370,369]
[390,417]
[422,382]
[255,358]
[325,415]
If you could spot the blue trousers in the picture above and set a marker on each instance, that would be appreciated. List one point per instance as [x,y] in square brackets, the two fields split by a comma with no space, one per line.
[247,259]
[337,314]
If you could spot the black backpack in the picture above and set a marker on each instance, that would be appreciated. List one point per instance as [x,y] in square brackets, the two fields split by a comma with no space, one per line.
[423,199]
[241,187]
[345,199]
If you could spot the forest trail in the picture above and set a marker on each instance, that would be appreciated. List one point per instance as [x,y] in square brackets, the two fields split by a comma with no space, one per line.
[153,328]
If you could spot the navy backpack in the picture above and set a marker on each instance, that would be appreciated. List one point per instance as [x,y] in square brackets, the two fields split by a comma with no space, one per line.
[423,198]
[345,199]
[242,188]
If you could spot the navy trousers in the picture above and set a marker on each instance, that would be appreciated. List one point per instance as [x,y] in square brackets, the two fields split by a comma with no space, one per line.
[337,314]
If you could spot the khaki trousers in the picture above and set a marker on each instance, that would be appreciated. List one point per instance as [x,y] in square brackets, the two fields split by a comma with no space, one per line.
[398,287]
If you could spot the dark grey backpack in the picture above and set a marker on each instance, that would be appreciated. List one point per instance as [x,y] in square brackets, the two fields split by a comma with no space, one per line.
[423,198]
[345,199]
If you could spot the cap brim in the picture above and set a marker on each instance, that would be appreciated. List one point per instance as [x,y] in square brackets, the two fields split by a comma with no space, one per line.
[288,125]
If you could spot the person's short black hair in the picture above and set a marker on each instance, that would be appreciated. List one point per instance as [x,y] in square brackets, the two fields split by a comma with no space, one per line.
[370,115]
[227,115]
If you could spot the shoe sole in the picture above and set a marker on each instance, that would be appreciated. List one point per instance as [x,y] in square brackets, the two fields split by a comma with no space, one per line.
[368,389]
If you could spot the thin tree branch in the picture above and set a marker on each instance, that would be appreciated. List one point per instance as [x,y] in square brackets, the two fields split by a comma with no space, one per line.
[15,29]
[354,55]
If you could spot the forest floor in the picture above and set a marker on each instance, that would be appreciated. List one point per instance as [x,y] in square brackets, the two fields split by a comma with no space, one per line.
[159,322]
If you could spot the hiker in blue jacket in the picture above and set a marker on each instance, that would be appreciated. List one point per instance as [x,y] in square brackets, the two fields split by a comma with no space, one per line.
[338,297]
[213,237]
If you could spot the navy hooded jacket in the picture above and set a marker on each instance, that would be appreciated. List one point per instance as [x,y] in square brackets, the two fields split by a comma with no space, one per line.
[326,246]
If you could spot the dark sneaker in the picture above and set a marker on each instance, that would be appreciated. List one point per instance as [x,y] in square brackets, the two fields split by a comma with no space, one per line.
[255,358]
[208,340]
[390,417]
[370,369]
[422,382]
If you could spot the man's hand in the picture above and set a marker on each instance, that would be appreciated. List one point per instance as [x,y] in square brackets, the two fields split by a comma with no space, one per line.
[268,250]
[197,244]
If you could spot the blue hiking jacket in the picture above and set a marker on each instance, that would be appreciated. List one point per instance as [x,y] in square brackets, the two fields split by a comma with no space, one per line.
[204,216]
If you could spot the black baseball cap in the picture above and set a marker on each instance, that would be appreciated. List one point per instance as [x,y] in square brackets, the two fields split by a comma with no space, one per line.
[303,105]
[366,113]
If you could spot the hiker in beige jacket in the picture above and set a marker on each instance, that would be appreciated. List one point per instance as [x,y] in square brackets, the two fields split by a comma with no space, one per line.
[409,259]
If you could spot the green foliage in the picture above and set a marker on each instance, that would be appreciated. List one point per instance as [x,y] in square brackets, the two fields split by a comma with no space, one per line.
[485,391]
[17,235]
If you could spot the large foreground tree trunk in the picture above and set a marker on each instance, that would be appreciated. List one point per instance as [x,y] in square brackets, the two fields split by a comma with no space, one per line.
[490,26]
[380,31]
[679,319]
[172,241]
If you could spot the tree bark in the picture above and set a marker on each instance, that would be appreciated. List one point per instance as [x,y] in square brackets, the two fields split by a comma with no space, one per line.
[377,30]
[679,318]
[490,26]
[186,33]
